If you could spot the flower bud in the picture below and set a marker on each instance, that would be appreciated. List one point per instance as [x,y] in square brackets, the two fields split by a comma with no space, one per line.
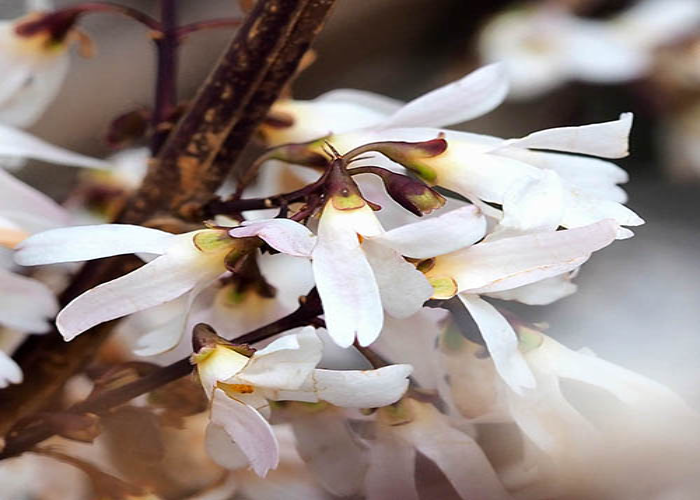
[411,194]
[412,155]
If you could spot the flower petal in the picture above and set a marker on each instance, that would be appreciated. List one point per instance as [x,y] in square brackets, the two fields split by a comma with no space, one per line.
[248,429]
[539,293]
[361,98]
[438,235]
[16,143]
[286,363]
[474,95]
[222,450]
[501,341]
[19,197]
[10,372]
[608,139]
[26,304]
[512,262]
[284,235]
[392,469]
[457,455]
[361,389]
[165,278]
[74,244]
[403,289]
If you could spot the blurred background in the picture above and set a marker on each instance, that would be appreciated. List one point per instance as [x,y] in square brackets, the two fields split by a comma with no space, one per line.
[639,301]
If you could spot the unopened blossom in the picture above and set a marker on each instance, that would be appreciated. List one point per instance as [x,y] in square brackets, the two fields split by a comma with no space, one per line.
[241,383]
[184,264]
[358,267]
[410,427]
[543,45]
[33,67]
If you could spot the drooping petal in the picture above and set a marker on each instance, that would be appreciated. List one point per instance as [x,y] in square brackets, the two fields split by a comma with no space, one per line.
[391,473]
[222,450]
[457,455]
[286,363]
[16,143]
[439,235]
[403,289]
[501,341]
[165,278]
[10,372]
[248,429]
[607,140]
[25,304]
[74,244]
[539,293]
[325,442]
[16,196]
[474,95]
[512,262]
[284,235]
[361,389]
[349,293]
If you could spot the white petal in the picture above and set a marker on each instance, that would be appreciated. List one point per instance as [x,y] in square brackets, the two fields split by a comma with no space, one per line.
[165,278]
[286,363]
[325,442]
[391,473]
[349,293]
[457,455]
[74,244]
[501,341]
[10,372]
[248,429]
[633,389]
[608,139]
[16,143]
[531,206]
[582,210]
[222,450]
[402,287]
[438,235]
[650,23]
[539,293]
[25,304]
[362,389]
[284,235]
[474,95]
[17,196]
[511,262]
[361,98]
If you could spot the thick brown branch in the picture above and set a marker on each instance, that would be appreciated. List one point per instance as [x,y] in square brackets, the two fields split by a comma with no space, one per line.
[182,174]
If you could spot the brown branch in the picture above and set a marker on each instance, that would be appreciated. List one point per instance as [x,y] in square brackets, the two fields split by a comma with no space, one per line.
[263,49]
[24,439]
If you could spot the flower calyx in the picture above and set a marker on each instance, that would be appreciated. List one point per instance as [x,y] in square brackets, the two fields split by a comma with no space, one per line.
[340,189]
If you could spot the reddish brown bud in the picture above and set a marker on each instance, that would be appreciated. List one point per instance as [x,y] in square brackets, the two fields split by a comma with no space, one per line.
[412,194]
[128,128]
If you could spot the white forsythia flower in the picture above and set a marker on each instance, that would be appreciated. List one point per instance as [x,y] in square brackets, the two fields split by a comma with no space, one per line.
[543,45]
[410,427]
[358,267]
[33,68]
[184,264]
[240,385]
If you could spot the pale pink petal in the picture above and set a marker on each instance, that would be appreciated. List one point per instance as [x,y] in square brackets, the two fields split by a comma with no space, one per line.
[74,244]
[512,262]
[222,450]
[164,279]
[324,441]
[403,289]
[457,455]
[351,302]
[10,372]
[284,235]
[608,139]
[438,235]
[25,304]
[286,363]
[501,341]
[16,143]
[392,464]
[16,196]
[474,95]
[248,429]
[361,389]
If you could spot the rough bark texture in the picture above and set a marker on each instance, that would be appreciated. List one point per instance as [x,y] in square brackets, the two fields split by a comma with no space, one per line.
[236,96]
